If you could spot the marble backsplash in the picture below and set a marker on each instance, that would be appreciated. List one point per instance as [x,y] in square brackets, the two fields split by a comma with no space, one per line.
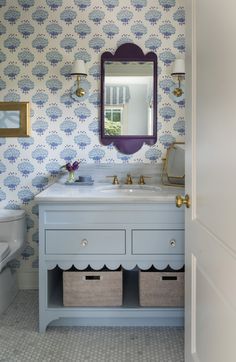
[100,173]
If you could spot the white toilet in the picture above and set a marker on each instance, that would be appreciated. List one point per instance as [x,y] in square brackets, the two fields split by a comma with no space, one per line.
[12,241]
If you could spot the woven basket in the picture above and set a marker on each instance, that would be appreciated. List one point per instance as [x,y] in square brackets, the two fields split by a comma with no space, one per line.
[92,289]
[161,289]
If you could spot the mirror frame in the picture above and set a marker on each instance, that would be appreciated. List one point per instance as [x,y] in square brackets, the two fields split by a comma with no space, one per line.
[129,144]
[23,129]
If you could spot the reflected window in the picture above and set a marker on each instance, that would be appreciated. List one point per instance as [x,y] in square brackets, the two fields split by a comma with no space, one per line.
[114,120]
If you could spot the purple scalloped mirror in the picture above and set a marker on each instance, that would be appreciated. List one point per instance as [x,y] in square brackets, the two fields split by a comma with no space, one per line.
[128,98]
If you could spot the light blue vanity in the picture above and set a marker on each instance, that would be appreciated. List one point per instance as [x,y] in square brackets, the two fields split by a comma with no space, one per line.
[107,225]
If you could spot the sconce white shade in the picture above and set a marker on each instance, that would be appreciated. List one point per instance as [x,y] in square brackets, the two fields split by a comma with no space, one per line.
[178,67]
[79,68]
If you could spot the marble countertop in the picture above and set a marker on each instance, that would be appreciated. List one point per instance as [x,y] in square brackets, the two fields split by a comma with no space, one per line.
[107,193]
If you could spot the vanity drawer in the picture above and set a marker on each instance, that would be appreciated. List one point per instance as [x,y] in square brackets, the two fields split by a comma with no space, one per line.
[157,242]
[85,242]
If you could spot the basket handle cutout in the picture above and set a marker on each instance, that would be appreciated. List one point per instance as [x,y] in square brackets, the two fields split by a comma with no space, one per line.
[169,278]
[92,277]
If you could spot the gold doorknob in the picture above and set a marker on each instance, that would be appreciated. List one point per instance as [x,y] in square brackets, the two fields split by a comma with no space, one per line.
[182,200]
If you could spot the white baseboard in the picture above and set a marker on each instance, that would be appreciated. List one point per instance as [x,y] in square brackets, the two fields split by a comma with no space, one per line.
[27,280]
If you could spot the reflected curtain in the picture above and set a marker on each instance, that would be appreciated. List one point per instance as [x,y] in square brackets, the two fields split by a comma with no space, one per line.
[116,94]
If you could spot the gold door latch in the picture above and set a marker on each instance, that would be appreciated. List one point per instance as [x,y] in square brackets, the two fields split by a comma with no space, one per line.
[182,200]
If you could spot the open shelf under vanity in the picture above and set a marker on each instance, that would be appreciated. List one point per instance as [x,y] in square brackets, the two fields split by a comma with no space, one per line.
[130,290]
[129,314]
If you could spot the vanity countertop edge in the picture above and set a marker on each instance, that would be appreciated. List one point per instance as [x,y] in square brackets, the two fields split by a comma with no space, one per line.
[59,192]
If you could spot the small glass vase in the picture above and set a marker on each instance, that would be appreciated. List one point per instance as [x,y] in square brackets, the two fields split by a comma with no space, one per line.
[71,177]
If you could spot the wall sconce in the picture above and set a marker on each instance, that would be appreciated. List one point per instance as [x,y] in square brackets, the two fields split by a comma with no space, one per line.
[79,70]
[179,72]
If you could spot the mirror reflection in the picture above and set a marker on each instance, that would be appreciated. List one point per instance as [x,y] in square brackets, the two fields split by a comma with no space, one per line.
[128,98]
[9,119]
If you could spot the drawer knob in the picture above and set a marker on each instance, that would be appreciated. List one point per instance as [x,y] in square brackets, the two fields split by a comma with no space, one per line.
[84,242]
[172,243]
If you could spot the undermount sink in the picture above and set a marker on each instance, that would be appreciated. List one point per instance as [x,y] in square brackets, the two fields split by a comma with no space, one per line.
[129,189]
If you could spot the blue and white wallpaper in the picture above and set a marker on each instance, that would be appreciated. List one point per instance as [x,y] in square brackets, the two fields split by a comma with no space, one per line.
[39,42]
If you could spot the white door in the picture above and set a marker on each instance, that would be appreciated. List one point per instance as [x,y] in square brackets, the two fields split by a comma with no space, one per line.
[210,329]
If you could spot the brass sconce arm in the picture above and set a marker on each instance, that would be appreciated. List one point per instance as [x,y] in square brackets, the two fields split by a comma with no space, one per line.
[179,72]
[178,91]
[80,92]
[79,70]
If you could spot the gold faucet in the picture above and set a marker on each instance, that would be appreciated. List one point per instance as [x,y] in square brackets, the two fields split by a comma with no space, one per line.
[115,180]
[142,179]
[129,180]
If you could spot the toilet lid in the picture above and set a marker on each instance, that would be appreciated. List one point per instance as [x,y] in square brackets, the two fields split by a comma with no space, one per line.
[11,215]
[4,250]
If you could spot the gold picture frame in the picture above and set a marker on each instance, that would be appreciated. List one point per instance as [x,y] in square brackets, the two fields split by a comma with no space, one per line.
[14,119]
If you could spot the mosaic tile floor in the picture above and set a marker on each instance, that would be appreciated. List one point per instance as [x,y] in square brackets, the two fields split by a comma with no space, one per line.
[20,341]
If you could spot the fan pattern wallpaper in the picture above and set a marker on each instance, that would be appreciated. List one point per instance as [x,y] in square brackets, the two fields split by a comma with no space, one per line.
[39,42]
